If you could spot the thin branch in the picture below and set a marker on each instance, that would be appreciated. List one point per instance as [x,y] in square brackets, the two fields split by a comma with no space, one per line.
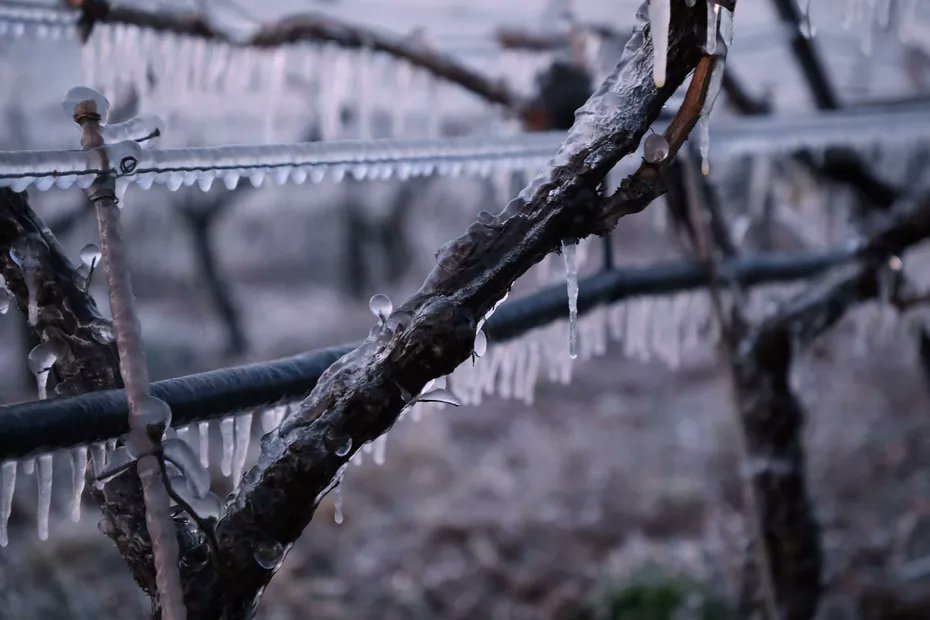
[134,371]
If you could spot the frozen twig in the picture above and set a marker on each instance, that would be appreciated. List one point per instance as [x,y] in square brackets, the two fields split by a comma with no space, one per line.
[144,431]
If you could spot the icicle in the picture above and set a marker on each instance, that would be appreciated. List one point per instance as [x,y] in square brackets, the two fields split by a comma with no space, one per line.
[571,279]
[7,485]
[226,432]
[5,298]
[98,453]
[203,430]
[337,504]
[26,253]
[807,26]
[659,19]
[710,45]
[379,448]
[243,435]
[45,494]
[78,477]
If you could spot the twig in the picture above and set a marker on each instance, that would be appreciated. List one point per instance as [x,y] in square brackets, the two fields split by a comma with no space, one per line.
[133,369]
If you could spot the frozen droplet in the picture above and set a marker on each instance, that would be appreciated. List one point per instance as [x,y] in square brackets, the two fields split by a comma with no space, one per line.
[90,255]
[381,307]
[269,554]
[44,481]
[227,426]
[155,414]
[7,486]
[78,476]
[655,148]
[481,343]
[81,94]
[339,442]
[182,456]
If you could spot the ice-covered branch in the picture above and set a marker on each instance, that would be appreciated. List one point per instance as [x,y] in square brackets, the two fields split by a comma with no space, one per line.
[303,28]
[87,359]
[360,397]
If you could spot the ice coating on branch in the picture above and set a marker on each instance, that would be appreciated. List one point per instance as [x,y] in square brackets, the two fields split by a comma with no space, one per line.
[571,281]
[660,15]
[243,432]
[5,298]
[182,456]
[439,395]
[44,481]
[381,306]
[227,427]
[80,94]
[7,486]
[78,477]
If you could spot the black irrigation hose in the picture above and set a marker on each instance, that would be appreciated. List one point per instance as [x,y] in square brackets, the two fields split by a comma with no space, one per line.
[56,423]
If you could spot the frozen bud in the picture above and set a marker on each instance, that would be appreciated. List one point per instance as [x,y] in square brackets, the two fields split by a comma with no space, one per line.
[655,148]
[80,94]
[381,307]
